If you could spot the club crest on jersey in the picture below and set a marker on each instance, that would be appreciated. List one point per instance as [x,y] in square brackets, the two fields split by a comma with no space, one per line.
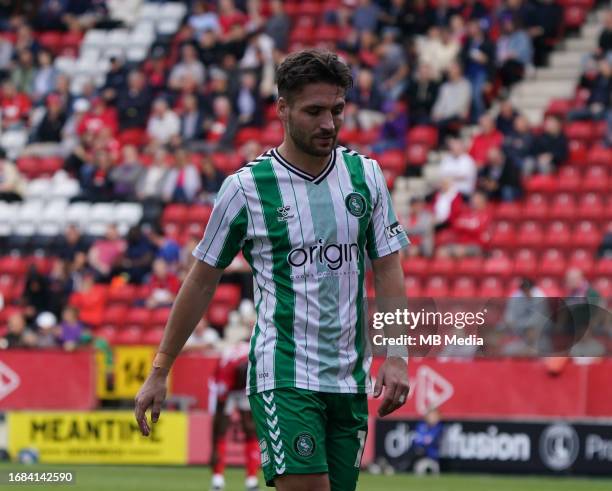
[283,213]
[356,204]
[304,444]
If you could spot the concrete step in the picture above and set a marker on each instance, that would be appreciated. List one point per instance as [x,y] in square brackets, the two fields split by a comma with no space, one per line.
[559,74]
[590,30]
[567,58]
[534,116]
[580,44]
[544,88]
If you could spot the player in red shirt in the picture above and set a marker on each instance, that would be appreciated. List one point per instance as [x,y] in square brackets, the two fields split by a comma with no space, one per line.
[229,394]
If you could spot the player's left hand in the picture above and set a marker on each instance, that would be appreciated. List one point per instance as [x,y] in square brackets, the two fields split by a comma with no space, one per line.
[393,375]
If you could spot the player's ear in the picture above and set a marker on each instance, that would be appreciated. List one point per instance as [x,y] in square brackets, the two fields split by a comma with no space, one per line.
[282,109]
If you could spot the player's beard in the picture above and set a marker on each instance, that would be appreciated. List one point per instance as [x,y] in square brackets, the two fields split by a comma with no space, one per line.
[307,143]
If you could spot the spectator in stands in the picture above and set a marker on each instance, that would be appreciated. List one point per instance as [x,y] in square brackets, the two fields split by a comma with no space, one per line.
[438,49]
[116,79]
[137,258]
[186,258]
[608,136]
[133,104]
[45,77]
[221,129]
[60,286]
[514,52]
[50,15]
[526,308]
[73,247]
[95,178]
[99,116]
[23,72]
[419,224]
[14,106]
[600,90]
[84,15]
[518,144]
[156,72]
[164,285]
[167,247]
[469,232]
[163,123]
[278,25]
[391,70]
[188,66]
[6,56]
[506,116]
[203,338]
[499,178]
[543,25]
[247,101]
[71,328]
[25,39]
[604,43]
[424,452]
[550,149]
[182,182]
[50,128]
[211,179]
[368,98]
[105,252]
[12,185]
[125,175]
[478,56]
[488,137]
[72,145]
[421,95]
[230,16]
[458,166]
[366,16]
[36,296]
[48,330]
[150,184]
[393,131]
[18,335]
[191,120]
[446,204]
[452,105]
[440,14]
[203,18]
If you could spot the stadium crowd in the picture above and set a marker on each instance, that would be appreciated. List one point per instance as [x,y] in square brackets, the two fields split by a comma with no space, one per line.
[166,131]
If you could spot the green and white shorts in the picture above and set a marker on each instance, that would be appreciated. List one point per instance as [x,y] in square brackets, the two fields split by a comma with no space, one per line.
[306,432]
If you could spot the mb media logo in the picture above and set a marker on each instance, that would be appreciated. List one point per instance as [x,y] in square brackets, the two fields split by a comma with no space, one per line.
[559,446]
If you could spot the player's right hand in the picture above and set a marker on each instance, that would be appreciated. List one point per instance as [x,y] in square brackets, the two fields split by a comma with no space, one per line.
[151,395]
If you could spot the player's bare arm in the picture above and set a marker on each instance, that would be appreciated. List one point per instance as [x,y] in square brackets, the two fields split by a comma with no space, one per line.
[190,304]
[390,295]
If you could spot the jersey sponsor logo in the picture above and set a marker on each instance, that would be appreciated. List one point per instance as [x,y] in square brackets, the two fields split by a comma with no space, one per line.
[304,444]
[356,204]
[333,255]
[393,230]
[283,213]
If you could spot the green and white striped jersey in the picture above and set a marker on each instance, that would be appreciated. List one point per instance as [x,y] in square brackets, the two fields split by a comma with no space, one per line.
[306,239]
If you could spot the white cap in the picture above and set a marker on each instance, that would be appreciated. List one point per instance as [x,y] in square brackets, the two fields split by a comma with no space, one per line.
[46,320]
[81,105]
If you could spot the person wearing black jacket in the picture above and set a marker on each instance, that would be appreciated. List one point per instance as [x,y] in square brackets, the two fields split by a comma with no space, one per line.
[421,95]
[499,178]
[134,103]
[550,149]
[600,93]
[477,56]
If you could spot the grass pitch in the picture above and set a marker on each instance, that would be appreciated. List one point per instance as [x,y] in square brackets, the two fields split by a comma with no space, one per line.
[145,478]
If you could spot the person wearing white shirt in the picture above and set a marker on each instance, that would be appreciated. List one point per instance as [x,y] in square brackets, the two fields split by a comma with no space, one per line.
[459,167]
[163,123]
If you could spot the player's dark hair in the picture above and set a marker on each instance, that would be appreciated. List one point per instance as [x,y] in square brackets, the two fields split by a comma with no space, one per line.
[311,66]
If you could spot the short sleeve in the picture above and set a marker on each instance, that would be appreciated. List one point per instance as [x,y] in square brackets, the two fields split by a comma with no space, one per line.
[226,230]
[384,234]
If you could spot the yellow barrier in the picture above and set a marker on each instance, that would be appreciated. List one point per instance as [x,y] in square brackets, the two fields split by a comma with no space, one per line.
[110,437]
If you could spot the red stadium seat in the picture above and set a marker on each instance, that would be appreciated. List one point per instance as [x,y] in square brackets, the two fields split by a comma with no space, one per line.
[138,316]
[525,263]
[175,213]
[418,266]
[498,265]
[600,156]
[583,260]
[530,235]
[272,134]
[160,316]
[552,263]
[199,214]
[246,134]
[13,265]
[106,332]
[30,166]
[129,335]
[328,32]
[123,294]
[580,130]
[569,179]
[503,235]
[596,180]
[604,267]
[115,315]
[470,266]
[417,154]
[464,287]
[218,315]
[393,160]
[51,40]
[413,287]
[443,266]
[603,286]
[558,107]
[437,287]
[586,234]
[563,207]
[535,207]
[577,152]
[302,35]
[152,336]
[591,207]
[551,287]
[558,234]
[424,135]
[574,17]
[541,183]
[508,210]
[491,288]
[50,165]
[133,136]
[227,294]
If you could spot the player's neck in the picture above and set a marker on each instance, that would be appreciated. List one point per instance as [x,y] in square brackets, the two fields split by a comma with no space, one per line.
[308,163]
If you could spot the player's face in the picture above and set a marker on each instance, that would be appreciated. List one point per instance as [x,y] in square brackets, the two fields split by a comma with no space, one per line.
[314,118]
